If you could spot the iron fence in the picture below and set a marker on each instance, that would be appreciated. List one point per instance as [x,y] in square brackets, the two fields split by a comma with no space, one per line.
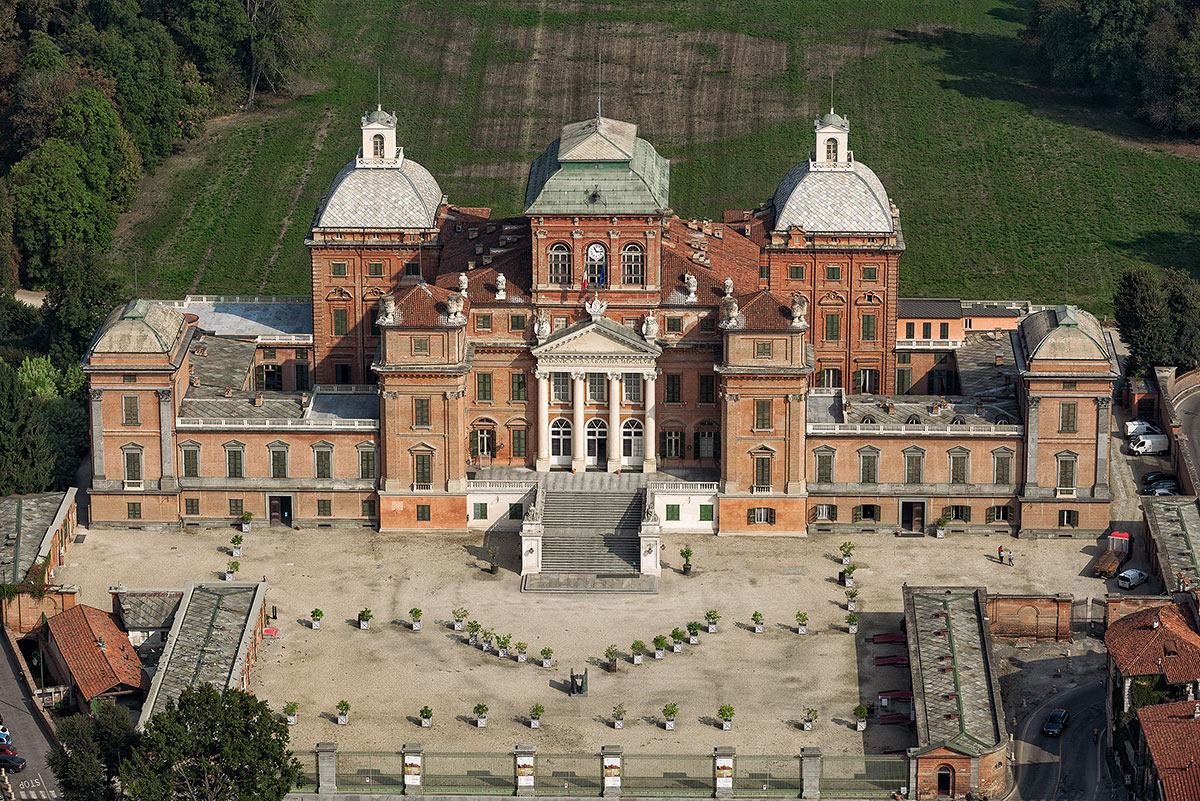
[380,772]
[863,776]
[767,775]
[476,774]
[308,771]
[646,774]
[568,774]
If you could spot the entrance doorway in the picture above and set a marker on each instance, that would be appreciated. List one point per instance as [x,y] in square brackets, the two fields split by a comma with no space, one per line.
[281,509]
[945,781]
[912,515]
[632,450]
[560,442]
[597,443]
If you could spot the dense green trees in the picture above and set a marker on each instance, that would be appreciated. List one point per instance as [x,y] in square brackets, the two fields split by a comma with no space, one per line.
[1157,314]
[1146,52]
[26,458]
[91,751]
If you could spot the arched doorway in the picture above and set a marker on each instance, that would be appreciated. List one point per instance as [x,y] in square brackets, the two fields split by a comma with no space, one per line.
[945,780]
[597,442]
[560,442]
[632,445]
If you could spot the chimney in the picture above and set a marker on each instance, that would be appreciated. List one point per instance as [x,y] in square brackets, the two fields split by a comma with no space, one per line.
[999,361]
[1154,624]
[472,233]
[258,399]
[491,229]
[478,249]
[1196,712]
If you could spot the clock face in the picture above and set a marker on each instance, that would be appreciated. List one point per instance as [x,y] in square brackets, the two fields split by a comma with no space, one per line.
[595,252]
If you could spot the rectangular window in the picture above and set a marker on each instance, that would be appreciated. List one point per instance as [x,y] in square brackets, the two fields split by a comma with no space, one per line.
[301,373]
[868,468]
[373,320]
[516,511]
[368,507]
[560,323]
[959,513]
[302,353]
[958,468]
[762,415]
[423,472]
[943,330]
[1068,518]
[868,328]
[129,407]
[926,330]
[796,272]
[824,468]
[278,463]
[630,322]
[560,387]
[480,511]
[128,379]
[412,269]
[708,325]
[518,386]
[833,324]
[708,389]
[337,268]
[420,346]
[268,354]
[910,330]
[133,511]
[518,442]
[133,466]
[233,463]
[999,514]
[762,350]
[423,512]
[672,511]
[914,468]
[421,412]
[1066,474]
[597,384]
[375,268]
[1070,384]
[764,272]
[706,512]
[706,444]
[324,462]
[967,324]
[903,358]
[325,508]
[366,463]
[674,325]
[483,386]
[191,506]
[674,389]
[866,381]
[483,322]
[672,444]
[191,463]
[516,322]
[1002,474]
[764,515]
[833,273]
[235,507]
[1067,413]
[870,272]
[903,380]
[632,382]
[340,322]
[825,511]
[762,471]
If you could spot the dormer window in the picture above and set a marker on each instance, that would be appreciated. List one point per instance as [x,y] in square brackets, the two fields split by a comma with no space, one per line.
[377,146]
[831,149]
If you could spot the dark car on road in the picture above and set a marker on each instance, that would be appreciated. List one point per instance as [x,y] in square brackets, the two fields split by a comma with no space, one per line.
[12,763]
[1054,725]
[1155,476]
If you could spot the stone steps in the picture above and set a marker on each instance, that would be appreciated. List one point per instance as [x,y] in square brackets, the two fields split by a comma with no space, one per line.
[591,532]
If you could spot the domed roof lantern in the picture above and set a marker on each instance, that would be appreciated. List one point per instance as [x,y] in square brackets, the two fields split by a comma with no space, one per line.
[379,140]
[832,141]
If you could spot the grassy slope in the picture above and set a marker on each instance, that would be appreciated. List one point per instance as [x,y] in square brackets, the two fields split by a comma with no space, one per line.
[1005,190]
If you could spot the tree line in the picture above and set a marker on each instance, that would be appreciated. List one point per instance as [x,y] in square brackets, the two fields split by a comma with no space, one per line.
[1142,53]
[1158,314]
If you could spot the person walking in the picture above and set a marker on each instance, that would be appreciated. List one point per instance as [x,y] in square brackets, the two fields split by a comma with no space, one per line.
[1000,554]
[1010,561]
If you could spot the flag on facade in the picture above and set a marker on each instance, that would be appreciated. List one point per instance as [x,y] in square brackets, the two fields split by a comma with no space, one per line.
[585,277]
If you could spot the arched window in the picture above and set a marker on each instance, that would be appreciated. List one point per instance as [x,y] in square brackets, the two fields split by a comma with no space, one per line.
[868,420]
[560,264]
[633,265]
[958,420]
[377,145]
[596,264]
[913,420]
[831,153]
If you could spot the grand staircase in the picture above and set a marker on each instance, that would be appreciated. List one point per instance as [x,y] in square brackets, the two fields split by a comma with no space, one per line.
[592,532]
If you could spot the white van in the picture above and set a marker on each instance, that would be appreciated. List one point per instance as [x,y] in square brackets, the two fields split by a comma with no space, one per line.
[1134,427]
[1149,443]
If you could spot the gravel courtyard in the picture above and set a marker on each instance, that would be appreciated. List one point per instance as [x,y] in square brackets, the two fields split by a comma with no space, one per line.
[389,672]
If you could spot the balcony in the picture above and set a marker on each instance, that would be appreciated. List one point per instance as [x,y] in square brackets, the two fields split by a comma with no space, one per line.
[422,487]
[1064,492]
[132,486]
[760,489]
[928,344]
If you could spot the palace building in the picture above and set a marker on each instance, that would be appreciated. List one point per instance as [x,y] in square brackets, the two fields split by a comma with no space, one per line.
[601,356]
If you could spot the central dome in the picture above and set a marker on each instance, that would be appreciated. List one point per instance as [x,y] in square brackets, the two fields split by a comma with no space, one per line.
[849,199]
[402,197]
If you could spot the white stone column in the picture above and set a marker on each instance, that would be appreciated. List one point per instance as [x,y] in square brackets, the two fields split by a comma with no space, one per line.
[578,437]
[543,422]
[650,433]
[614,422]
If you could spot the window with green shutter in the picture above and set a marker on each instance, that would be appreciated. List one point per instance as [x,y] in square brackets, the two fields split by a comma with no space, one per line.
[762,471]
[833,324]
[706,512]
[191,462]
[423,469]
[133,511]
[708,391]
[278,463]
[796,272]
[914,467]
[423,512]
[674,392]
[129,407]
[366,463]
[903,380]
[516,511]
[483,386]
[958,468]
[762,415]
[1067,414]
[233,463]
[324,461]
[825,467]
[235,507]
[518,442]
[325,508]
[518,386]
[340,322]
[1002,464]
[672,511]
[368,507]
[868,467]
[191,506]
[481,511]
[420,411]
[868,327]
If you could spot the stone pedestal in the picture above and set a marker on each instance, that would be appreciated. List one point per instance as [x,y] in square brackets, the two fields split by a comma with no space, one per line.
[810,772]
[414,768]
[327,763]
[611,765]
[525,765]
[723,756]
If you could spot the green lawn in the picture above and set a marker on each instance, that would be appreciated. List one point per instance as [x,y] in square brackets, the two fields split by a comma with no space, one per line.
[1006,190]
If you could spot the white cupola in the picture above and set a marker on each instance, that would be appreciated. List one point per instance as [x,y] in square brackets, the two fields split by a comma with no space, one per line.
[379,141]
[832,141]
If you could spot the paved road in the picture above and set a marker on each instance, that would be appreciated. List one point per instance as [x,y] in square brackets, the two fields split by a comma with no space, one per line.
[16,705]
[1189,412]
[1066,767]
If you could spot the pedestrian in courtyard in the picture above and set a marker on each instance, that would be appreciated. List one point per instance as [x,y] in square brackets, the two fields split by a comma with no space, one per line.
[1000,554]
[1010,561]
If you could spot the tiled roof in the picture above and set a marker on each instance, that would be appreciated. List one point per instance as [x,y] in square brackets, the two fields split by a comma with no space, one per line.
[988,310]
[424,306]
[249,318]
[391,197]
[1064,332]
[1139,647]
[1172,733]
[1175,527]
[78,634]
[146,609]
[38,513]
[841,200]
[507,248]
[219,363]
[765,311]
[730,255]
[929,308]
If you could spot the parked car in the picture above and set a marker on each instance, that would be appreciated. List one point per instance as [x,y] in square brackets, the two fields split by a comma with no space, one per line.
[12,763]
[1149,444]
[1155,476]
[8,748]
[1128,579]
[1163,492]
[1135,427]
[1056,723]
[1171,486]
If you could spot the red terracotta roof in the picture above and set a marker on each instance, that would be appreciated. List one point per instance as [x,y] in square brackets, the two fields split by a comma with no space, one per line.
[507,248]
[424,306]
[765,311]
[1138,647]
[78,633]
[750,223]
[1172,734]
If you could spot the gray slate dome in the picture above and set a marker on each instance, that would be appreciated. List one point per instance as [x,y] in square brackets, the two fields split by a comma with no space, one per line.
[396,197]
[139,326]
[849,199]
[1064,332]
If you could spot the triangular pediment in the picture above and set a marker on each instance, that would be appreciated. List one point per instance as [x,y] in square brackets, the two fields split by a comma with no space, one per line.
[593,338]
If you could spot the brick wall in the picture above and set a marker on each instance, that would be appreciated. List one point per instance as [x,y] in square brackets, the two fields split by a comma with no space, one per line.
[1118,606]
[1030,617]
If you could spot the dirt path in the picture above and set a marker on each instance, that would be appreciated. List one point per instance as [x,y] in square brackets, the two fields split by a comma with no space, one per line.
[318,143]
[212,243]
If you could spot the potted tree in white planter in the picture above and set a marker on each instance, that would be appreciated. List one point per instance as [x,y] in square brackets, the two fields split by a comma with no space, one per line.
[847,549]
[316,616]
[725,713]
[426,716]
[460,614]
[939,528]
[535,716]
[364,619]
[670,712]
[810,719]
[611,653]
[758,622]
[231,570]
[522,651]
[677,638]
[547,657]
[660,645]
[481,715]
[851,600]
[502,643]
[236,545]
[860,717]
[415,614]
[486,636]
[637,649]
[686,553]
[711,617]
[289,711]
[619,716]
[802,622]
[693,633]
[852,623]
[343,708]
[848,575]
[473,628]
[246,518]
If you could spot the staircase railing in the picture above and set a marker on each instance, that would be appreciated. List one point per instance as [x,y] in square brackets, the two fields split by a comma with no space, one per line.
[532,530]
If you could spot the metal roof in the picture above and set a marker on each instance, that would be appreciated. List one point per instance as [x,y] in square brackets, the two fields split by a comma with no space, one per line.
[842,198]
[1064,332]
[930,308]
[597,139]
[140,326]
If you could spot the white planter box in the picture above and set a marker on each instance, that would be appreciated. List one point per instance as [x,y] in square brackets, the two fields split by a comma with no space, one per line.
[677,648]
[807,725]
[245,528]
[473,639]
[637,659]
[521,656]
[229,575]
[852,605]
[693,639]
[481,721]
[670,724]
[535,723]
[487,645]
[502,653]
[416,626]
[849,582]
[426,723]
[861,725]
[547,662]
[237,550]
[712,628]
[316,624]
[758,628]
[726,725]
[659,653]
[343,720]
[939,533]
[853,628]
[291,720]
[802,628]
[458,625]
[364,624]
[618,723]
[845,559]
